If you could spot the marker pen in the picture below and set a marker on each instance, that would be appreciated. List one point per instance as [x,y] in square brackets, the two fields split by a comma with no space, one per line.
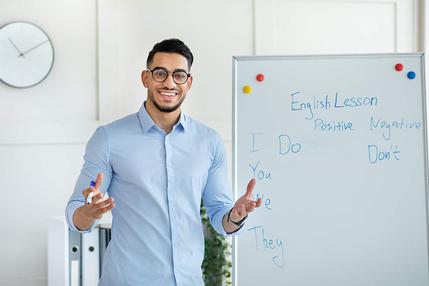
[91,194]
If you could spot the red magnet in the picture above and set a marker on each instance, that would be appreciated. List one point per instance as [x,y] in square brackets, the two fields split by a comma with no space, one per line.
[260,77]
[399,67]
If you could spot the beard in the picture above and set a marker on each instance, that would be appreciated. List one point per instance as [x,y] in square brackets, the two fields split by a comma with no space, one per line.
[166,109]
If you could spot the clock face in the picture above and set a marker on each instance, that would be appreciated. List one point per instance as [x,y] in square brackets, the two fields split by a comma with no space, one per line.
[26,54]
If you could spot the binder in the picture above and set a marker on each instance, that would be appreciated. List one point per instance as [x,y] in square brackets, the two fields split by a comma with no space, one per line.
[74,258]
[75,266]
[104,239]
[90,259]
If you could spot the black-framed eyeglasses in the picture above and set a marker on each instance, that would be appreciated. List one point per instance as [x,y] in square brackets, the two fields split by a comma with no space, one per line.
[161,74]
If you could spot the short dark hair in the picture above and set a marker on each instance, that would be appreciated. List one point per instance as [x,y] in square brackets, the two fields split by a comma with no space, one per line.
[171,46]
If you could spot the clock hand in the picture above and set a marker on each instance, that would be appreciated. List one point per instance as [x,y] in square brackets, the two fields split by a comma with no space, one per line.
[36,46]
[13,44]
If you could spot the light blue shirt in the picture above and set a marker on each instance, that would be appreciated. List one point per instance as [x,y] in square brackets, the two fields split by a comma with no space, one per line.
[157,181]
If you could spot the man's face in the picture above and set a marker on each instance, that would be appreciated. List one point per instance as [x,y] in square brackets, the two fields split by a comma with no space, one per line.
[167,96]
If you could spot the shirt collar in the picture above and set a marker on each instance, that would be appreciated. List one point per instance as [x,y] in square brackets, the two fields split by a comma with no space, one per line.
[147,123]
[181,124]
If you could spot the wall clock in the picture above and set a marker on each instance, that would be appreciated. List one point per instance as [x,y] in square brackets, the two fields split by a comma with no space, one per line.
[26,54]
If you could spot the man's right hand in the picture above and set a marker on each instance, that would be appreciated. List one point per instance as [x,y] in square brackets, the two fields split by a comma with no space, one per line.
[85,216]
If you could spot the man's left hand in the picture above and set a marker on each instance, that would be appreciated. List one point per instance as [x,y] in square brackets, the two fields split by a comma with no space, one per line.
[245,204]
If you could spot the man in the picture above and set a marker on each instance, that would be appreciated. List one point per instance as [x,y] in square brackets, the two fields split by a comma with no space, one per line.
[156,165]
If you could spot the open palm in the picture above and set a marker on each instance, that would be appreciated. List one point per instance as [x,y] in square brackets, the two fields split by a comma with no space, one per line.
[245,204]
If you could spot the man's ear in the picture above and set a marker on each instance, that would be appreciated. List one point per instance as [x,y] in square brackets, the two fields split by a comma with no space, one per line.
[145,78]
[189,82]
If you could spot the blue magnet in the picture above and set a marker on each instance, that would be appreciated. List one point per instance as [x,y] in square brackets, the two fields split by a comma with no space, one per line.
[411,75]
[92,184]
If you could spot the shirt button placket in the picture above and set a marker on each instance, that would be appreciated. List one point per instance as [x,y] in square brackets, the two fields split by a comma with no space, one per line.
[171,209]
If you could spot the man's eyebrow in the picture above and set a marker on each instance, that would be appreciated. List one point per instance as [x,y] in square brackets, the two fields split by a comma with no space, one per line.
[181,70]
[159,68]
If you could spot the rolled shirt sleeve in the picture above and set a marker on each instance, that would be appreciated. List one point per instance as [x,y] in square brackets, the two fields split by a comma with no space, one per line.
[96,159]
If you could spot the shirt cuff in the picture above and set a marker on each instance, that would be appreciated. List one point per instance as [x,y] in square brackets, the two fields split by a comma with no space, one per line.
[219,222]
[237,230]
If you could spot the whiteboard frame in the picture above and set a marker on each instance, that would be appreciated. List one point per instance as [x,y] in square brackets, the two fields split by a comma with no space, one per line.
[236,59]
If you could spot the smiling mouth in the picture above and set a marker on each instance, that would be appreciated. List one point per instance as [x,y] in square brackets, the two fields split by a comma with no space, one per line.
[168,93]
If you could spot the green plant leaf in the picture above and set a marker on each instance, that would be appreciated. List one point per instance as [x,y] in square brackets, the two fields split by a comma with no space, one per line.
[216,267]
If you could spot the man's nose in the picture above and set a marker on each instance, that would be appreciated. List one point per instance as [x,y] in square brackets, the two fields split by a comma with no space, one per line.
[169,82]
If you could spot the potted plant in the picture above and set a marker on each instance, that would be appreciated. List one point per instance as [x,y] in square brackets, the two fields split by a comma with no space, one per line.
[216,264]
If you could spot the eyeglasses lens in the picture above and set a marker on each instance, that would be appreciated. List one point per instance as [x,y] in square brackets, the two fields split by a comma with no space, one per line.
[161,75]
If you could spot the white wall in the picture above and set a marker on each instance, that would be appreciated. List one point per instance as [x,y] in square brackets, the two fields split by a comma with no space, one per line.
[101,48]
[71,26]
[340,26]
[35,184]
[214,30]
[42,134]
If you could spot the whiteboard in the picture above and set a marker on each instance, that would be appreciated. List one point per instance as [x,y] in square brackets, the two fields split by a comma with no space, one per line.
[338,147]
